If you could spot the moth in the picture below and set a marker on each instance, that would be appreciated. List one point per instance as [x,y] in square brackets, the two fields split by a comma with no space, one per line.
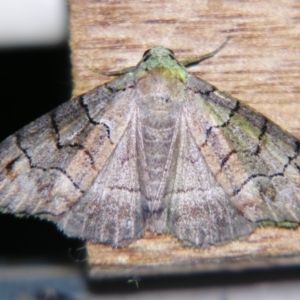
[156,149]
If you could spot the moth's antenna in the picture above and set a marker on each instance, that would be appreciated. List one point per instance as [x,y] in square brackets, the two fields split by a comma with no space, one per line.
[117,73]
[196,60]
[112,73]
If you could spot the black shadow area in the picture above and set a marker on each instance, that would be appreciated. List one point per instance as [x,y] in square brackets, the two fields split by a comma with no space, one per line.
[215,280]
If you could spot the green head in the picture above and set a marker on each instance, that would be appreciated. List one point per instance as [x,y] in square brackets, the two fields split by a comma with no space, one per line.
[162,60]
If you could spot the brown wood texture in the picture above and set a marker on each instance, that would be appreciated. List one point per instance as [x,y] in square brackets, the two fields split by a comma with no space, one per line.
[164,254]
[260,66]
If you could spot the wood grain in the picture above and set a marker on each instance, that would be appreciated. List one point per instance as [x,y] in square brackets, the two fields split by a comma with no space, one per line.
[260,65]
[164,254]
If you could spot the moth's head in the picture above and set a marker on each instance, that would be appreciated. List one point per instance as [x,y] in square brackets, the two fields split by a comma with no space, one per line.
[163,60]
[158,52]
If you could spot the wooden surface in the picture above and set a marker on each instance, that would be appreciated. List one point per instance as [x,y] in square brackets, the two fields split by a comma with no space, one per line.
[164,254]
[260,66]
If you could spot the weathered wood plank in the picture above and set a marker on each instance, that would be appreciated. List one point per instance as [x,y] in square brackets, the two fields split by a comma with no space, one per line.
[260,65]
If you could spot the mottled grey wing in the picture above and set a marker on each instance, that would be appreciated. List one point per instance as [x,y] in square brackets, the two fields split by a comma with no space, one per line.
[200,211]
[110,211]
[69,167]
[255,162]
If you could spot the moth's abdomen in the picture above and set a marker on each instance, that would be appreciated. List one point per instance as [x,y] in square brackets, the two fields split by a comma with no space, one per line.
[157,134]
[157,144]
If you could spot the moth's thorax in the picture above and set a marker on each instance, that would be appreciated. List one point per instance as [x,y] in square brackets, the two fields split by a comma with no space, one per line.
[156,83]
[159,100]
